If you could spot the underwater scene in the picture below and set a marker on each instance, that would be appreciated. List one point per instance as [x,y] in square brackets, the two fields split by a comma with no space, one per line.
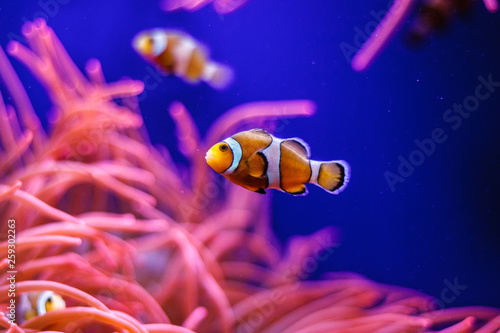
[249,166]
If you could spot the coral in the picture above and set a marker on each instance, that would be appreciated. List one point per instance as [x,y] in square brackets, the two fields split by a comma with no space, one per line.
[133,241]
[434,15]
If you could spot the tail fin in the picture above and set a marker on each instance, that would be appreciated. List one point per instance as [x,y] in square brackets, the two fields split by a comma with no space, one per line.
[331,176]
[218,76]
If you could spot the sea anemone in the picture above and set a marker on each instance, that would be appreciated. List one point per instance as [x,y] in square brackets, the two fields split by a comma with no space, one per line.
[220,6]
[135,242]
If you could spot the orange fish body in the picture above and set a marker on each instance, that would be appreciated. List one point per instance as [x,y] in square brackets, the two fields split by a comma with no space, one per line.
[179,54]
[257,160]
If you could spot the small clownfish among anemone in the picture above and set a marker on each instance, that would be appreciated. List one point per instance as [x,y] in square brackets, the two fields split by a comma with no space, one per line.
[34,304]
[177,53]
[257,160]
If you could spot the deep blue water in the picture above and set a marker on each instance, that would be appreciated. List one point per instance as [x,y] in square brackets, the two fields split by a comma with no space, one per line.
[441,223]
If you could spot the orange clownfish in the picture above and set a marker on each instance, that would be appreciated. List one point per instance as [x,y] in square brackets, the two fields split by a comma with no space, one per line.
[179,54]
[257,160]
[34,304]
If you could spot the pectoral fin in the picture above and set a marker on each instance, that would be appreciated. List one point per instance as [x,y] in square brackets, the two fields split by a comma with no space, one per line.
[257,164]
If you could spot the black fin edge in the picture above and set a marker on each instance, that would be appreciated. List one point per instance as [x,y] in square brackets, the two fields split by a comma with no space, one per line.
[303,144]
[342,178]
[261,191]
[304,192]
[266,164]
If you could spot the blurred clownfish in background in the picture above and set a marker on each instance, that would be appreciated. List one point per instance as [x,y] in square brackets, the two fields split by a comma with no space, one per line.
[34,304]
[257,160]
[179,54]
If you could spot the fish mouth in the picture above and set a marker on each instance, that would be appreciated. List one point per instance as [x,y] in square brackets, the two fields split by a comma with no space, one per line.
[209,156]
[139,42]
[211,159]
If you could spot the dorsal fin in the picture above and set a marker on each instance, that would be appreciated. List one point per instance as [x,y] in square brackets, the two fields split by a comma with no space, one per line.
[260,131]
[299,146]
[257,165]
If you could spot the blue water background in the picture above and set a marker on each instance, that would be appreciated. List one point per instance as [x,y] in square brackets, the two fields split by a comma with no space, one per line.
[441,224]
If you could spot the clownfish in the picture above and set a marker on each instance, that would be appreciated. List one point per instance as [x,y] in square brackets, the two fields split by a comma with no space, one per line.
[181,55]
[257,160]
[34,304]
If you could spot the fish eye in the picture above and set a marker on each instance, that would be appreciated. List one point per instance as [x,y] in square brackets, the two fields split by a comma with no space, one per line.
[223,148]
